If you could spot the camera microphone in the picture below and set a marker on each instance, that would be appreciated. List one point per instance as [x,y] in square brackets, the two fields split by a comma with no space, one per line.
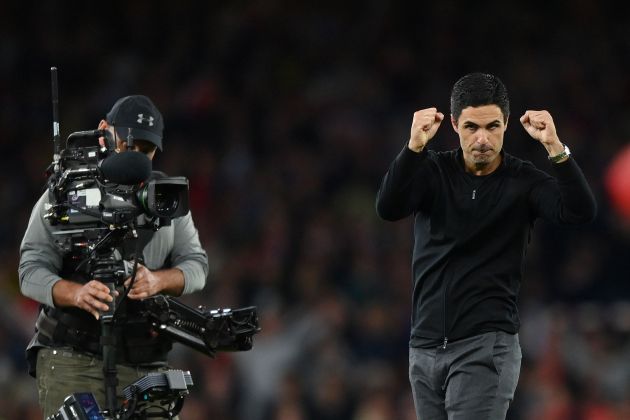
[127,168]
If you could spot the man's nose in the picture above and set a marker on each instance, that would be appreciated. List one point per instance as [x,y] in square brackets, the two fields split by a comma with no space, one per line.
[482,136]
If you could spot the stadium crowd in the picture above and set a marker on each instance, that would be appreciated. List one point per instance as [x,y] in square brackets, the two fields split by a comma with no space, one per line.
[284,118]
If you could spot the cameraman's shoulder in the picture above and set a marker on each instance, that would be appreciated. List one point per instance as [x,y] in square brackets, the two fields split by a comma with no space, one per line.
[43,203]
[185,219]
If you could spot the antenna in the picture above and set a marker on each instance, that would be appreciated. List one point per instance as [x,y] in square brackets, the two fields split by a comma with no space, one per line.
[55,109]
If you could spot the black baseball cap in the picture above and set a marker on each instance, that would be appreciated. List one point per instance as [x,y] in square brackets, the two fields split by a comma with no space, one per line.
[136,117]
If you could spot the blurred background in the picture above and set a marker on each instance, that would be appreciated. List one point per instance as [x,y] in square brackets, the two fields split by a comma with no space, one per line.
[284,116]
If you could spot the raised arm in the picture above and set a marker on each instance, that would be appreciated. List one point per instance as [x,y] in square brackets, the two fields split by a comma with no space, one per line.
[406,182]
[567,198]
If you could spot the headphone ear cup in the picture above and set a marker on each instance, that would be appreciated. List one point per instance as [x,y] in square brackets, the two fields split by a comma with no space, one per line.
[110,138]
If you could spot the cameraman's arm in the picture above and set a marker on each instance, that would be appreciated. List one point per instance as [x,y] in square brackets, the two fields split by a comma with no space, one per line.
[187,255]
[188,266]
[148,283]
[40,261]
[89,296]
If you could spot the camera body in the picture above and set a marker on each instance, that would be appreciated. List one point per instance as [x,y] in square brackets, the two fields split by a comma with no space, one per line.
[98,198]
[91,183]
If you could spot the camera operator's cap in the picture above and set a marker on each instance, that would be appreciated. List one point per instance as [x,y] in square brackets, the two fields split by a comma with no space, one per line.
[138,117]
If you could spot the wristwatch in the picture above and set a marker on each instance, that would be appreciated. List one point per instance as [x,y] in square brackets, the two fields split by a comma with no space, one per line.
[565,153]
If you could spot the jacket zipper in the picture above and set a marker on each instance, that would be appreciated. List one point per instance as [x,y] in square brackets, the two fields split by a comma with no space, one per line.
[445,342]
[445,339]
[444,315]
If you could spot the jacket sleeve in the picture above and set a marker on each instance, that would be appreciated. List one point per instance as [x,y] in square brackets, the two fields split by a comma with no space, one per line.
[566,199]
[188,255]
[405,186]
[40,260]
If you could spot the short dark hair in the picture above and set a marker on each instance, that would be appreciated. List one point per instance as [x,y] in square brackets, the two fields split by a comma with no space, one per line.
[478,89]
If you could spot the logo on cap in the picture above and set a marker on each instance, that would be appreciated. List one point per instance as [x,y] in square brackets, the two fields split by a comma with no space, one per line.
[149,120]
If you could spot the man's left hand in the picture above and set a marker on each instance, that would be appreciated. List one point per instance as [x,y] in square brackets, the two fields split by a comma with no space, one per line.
[540,126]
[147,283]
[169,281]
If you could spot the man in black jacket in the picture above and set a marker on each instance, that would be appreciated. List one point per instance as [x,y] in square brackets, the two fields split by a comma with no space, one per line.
[474,209]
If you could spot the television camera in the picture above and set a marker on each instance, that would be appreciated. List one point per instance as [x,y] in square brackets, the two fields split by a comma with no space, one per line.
[104,207]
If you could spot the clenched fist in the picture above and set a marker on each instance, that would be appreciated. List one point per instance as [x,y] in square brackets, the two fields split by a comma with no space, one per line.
[540,126]
[425,124]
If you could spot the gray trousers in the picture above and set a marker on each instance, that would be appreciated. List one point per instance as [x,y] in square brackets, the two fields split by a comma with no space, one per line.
[473,378]
[62,371]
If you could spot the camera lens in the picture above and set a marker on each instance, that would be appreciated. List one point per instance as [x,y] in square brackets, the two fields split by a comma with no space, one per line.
[165,203]
[165,197]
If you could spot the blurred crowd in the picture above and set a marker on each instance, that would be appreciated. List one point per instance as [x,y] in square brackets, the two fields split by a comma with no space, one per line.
[284,117]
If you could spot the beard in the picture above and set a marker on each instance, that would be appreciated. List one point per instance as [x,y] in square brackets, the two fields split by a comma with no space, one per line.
[481,157]
[480,165]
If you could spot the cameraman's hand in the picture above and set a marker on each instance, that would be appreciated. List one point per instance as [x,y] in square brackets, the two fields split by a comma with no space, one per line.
[92,296]
[149,283]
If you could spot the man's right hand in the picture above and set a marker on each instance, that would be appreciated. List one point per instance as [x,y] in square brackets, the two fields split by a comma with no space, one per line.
[425,124]
[92,296]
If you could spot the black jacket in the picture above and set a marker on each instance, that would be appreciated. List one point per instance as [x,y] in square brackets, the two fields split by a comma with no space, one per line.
[471,235]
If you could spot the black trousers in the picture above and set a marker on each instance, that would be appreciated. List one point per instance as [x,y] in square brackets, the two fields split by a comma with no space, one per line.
[473,378]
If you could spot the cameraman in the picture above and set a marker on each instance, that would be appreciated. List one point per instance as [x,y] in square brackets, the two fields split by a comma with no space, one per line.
[65,355]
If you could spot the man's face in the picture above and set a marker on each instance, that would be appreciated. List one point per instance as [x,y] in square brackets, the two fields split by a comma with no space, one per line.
[481,131]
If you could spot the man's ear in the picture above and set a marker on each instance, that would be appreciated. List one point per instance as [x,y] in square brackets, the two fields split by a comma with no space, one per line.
[120,145]
[454,124]
[102,141]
